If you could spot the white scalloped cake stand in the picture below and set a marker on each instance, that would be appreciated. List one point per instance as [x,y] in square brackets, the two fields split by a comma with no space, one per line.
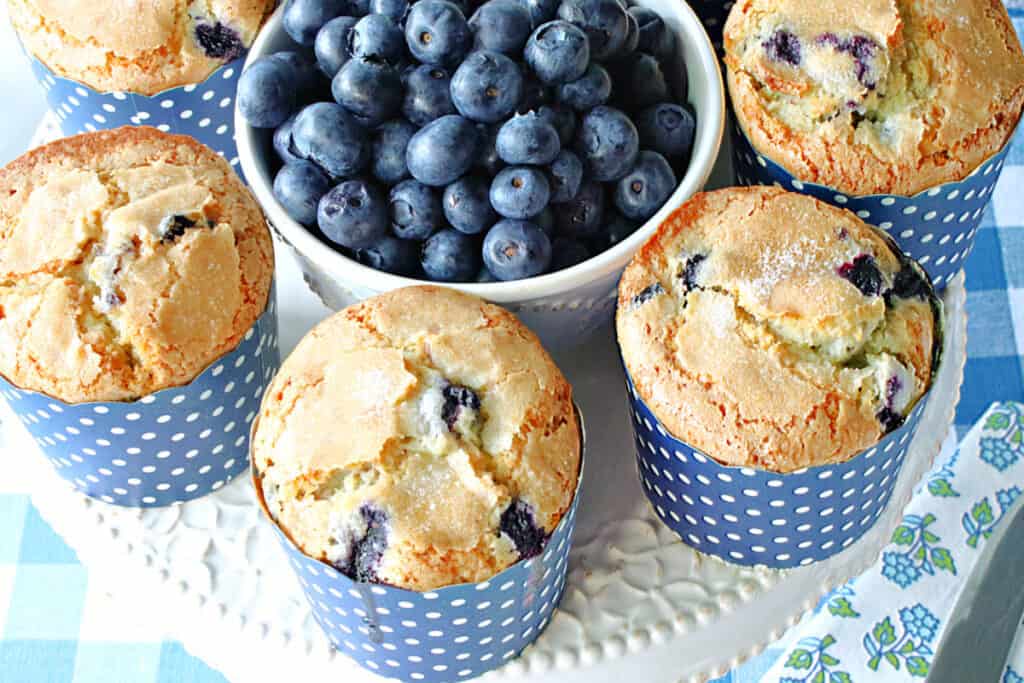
[639,603]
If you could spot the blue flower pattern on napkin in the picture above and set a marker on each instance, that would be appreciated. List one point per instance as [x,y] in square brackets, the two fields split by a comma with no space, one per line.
[885,624]
[918,552]
[911,648]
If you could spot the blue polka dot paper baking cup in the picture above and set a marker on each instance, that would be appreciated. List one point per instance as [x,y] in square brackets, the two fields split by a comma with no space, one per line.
[450,634]
[758,518]
[936,227]
[204,111]
[712,14]
[168,447]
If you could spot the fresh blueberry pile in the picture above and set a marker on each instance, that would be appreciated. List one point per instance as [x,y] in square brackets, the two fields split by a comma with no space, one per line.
[522,140]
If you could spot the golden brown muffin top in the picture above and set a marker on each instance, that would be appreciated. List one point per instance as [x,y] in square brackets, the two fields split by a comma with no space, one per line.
[144,47]
[129,261]
[879,96]
[770,330]
[421,438]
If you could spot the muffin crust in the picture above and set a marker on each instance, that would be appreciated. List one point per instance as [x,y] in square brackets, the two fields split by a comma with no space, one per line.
[421,438]
[770,330]
[129,261]
[143,47]
[880,96]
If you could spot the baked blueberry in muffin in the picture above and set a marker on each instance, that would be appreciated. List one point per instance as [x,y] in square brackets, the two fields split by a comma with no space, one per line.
[420,439]
[875,97]
[770,330]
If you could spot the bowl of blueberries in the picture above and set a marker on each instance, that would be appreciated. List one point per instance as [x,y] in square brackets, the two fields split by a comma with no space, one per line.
[519,150]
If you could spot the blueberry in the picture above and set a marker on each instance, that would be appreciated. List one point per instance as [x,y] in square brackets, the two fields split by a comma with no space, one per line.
[647,293]
[331,45]
[607,142]
[283,142]
[535,94]
[563,119]
[427,94]
[614,229]
[527,139]
[862,48]
[580,217]
[485,276]
[307,81]
[219,41]
[487,156]
[467,204]
[545,220]
[783,46]
[377,37]
[864,274]
[266,93]
[518,524]
[558,52]
[387,158]
[415,210]
[691,271]
[566,253]
[909,284]
[303,18]
[392,255]
[329,136]
[443,150]
[437,32]
[515,250]
[367,551]
[604,22]
[486,86]
[565,175]
[501,26]
[668,129]
[889,419]
[457,399]
[171,228]
[359,8]
[640,82]
[520,192]
[641,192]
[370,90]
[632,40]
[541,11]
[594,87]
[655,37]
[450,256]
[392,9]
[298,187]
[353,214]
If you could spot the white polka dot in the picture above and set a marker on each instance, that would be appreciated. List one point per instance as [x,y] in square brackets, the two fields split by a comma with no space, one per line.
[908,210]
[164,128]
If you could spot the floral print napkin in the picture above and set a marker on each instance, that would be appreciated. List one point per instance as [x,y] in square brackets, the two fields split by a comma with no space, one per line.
[884,625]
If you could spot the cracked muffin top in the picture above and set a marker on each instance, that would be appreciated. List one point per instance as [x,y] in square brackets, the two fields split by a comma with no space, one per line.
[129,261]
[770,330]
[142,47]
[879,96]
[420,439]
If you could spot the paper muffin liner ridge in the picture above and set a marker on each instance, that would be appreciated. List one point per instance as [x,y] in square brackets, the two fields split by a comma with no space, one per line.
[168,447]
[204,111]
[935,227]
[448,634]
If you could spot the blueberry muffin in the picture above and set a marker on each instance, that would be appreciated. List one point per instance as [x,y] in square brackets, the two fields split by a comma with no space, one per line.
[882,96]
[129,261]
[420,439]
[142,47]
[770,330]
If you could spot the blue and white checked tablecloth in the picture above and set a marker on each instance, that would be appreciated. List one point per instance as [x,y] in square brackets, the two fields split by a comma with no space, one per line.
[57,625]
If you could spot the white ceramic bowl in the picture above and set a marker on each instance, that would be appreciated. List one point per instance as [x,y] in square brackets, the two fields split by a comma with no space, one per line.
[564,307]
